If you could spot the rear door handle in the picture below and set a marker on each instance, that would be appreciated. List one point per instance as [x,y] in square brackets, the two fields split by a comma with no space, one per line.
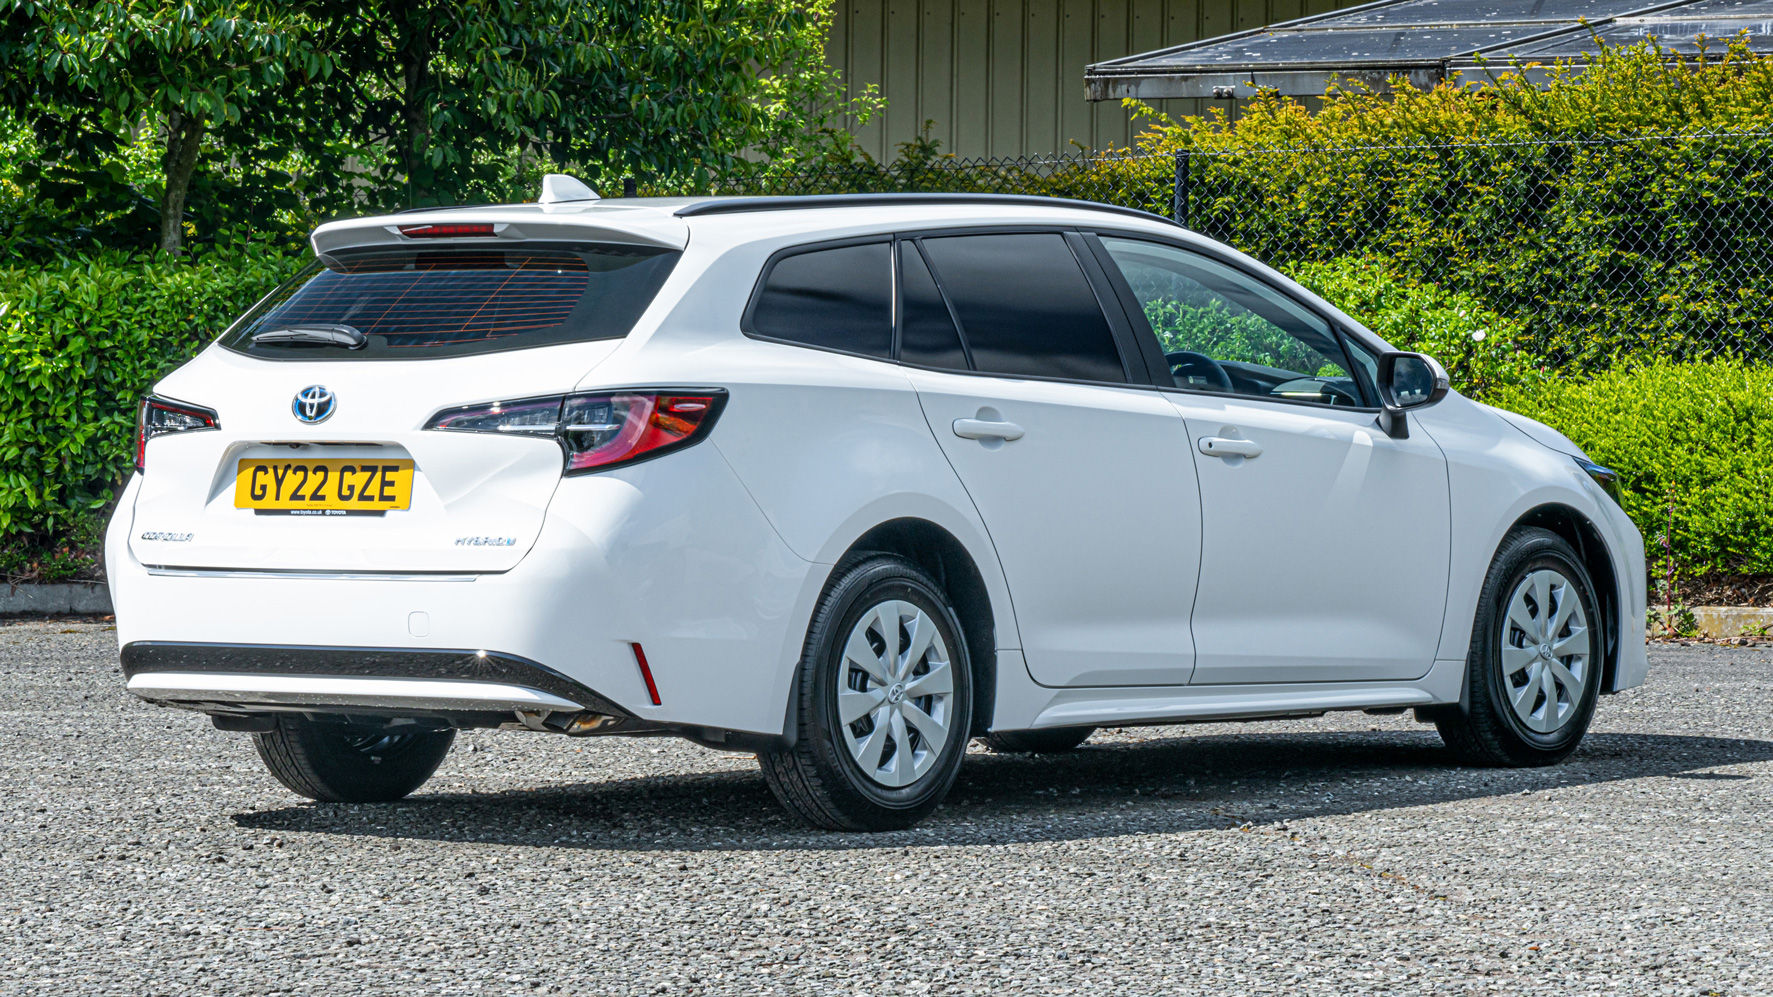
[1219,446]
[979,429]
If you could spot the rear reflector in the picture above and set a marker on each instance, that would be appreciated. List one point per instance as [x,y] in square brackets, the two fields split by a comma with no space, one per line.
[445,231]
[646,673]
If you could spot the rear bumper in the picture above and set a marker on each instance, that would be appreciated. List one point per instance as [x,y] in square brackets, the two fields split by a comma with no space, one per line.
[671,554]
[245,677]
[250,693]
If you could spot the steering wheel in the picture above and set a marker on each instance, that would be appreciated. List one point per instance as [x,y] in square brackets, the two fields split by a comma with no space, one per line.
[1187,363]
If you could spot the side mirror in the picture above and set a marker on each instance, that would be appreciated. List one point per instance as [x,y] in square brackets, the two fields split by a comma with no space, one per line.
[1407,381]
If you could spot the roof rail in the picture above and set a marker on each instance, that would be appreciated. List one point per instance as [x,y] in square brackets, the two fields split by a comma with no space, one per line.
[737,205]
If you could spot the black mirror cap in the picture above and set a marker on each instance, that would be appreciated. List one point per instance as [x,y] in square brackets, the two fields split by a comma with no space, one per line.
[1392,418]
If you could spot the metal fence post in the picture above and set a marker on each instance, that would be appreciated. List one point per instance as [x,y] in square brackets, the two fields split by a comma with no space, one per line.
[1179,195]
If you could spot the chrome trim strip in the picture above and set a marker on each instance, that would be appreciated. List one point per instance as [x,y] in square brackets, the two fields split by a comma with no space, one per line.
[341,691]
[330,576]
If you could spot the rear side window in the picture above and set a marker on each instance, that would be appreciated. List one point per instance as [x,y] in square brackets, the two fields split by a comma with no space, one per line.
[1025,306]
[834,299]
[410,303]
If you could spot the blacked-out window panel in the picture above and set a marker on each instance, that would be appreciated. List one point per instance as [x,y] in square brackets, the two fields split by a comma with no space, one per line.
[1025,307]
[451,302]
[836,299]
[927,335]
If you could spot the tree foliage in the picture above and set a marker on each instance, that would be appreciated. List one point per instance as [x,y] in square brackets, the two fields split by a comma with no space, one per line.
[253,115]
[88,76]
[434,95]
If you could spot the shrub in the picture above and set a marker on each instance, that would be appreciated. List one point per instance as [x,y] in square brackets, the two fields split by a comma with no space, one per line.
[1695,436]
[81,343]
[1621,212]
[1483,351]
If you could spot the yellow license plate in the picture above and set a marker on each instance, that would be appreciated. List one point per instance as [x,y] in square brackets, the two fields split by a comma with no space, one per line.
[325,487]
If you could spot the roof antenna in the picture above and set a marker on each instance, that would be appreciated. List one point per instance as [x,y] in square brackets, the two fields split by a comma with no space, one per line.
[558,187]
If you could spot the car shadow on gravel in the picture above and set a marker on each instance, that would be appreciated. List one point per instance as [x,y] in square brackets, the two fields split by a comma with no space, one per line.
[1152,786]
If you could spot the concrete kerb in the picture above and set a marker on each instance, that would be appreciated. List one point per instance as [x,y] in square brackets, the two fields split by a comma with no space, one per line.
[70,598]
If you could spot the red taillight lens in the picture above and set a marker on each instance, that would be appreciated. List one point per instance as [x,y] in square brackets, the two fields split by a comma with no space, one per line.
[161,417]
[604,430]
[597,431]
[445,231]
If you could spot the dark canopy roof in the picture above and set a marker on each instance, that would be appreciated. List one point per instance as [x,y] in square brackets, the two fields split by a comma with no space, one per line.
[1424,40]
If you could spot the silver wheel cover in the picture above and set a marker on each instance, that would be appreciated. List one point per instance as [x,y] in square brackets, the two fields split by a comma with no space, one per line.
[1545,651]
[895,693]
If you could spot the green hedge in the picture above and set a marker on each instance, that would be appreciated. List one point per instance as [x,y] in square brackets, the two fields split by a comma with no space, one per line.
[1621,211]
[1483,351]
[80,344]
[1692,439]
[1618,213]
[83,342]
[1602,252]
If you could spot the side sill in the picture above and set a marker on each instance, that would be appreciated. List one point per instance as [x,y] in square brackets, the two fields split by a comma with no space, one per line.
[1200,704]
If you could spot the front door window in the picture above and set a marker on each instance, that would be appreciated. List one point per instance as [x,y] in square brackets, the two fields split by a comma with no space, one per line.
[1221,331]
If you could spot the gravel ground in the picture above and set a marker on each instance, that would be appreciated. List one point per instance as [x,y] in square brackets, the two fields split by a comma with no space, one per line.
[143,852]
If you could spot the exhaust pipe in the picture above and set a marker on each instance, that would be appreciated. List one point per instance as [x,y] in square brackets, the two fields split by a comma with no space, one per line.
[559,722]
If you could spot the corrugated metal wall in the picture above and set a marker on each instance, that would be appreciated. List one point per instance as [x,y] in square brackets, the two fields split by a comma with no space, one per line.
[1005,77]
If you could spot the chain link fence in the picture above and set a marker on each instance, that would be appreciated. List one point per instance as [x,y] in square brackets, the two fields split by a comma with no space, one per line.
[1602,249]
[1128,178]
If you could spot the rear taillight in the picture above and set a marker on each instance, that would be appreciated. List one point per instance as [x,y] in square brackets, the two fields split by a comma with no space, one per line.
[597,431]
[163,417]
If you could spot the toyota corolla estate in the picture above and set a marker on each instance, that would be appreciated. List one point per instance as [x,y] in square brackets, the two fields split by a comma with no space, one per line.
[844,482]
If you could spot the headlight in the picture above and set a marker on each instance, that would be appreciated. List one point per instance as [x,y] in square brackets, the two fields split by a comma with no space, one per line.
[1606,477]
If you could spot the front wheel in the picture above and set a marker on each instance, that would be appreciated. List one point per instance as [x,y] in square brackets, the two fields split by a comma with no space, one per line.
[885,702]
[1534,670]
[345,763]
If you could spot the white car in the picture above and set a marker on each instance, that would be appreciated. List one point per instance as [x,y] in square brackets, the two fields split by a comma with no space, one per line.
[845,482]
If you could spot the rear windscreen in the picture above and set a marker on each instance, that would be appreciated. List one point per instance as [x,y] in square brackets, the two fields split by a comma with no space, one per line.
[407,303]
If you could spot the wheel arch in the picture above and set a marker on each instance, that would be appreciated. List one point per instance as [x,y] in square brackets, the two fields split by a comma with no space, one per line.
[1581,533]
[939,552]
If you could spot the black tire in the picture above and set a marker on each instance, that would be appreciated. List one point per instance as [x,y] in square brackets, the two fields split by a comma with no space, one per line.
[1488,730]
[819,780]
[341,763]
[1049,740]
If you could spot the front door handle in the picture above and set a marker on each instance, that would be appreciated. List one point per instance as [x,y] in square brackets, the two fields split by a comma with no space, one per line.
[979,429]
[1219,446]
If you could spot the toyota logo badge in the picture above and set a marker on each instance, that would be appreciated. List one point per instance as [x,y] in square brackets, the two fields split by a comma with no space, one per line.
[313,404]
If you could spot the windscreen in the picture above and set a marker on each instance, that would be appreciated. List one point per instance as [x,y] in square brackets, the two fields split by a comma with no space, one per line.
[410,303]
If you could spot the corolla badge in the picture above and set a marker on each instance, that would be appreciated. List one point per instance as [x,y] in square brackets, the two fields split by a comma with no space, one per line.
[314,403]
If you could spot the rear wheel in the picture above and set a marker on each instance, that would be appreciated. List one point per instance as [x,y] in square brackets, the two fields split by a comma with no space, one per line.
[1042,742]
[1534,670]
[885,702]
[345,763]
